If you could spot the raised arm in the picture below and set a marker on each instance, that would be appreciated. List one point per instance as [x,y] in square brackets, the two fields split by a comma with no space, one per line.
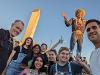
[56,44]
[67,22]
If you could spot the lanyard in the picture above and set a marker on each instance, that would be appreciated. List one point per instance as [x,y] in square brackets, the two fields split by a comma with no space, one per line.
[20,49]
[69,68]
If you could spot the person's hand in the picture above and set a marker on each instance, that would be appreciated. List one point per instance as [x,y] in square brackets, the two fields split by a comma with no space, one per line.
[78,60]
[60,41]
[63,14]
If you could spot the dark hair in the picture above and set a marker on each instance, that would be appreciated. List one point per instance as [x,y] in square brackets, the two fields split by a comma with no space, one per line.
[53,50]
[93,20]
[44,44]
[62,49]
[30,46]
[38,46]
[16,21]
[33,66]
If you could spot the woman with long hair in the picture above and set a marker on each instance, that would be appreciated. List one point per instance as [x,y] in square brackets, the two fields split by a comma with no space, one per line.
[17,55]
[36,68]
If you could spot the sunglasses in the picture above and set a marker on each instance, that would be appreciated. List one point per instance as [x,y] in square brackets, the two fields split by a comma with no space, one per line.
[93,27]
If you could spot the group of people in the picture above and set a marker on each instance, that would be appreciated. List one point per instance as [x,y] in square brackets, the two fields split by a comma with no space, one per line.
[29,59]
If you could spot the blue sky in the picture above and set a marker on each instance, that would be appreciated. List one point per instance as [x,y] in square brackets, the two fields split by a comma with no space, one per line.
[51,25]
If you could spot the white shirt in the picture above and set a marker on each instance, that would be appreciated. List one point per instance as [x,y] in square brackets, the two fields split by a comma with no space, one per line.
[95,62]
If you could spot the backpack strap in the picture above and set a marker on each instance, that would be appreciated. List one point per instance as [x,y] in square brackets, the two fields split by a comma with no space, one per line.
[69,66]
[56,67]
[20,49]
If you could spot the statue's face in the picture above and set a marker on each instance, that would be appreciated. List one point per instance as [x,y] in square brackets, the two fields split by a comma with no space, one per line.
[80,14]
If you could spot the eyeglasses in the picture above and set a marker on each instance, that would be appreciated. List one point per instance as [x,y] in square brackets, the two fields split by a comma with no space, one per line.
[93,27]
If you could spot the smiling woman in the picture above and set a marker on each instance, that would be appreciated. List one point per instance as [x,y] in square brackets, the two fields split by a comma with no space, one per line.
[36,68]
[17,55]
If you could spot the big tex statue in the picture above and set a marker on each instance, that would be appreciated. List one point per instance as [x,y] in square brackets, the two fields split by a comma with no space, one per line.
[78,27]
